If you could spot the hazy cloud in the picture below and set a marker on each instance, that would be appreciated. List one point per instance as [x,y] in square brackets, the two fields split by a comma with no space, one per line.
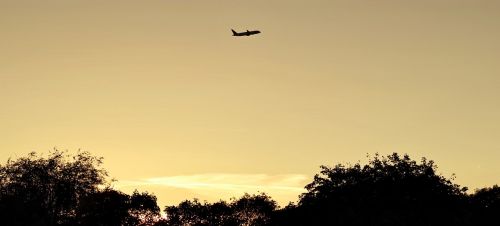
[283,187]
[291,182]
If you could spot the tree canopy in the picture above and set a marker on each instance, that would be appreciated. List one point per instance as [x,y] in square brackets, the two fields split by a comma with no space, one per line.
[392,190]
[247,210]
[63,190]
[388,190]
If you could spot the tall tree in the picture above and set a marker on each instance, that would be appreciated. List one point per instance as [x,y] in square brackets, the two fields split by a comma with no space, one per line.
[37,190]
[390,190]
[64,190]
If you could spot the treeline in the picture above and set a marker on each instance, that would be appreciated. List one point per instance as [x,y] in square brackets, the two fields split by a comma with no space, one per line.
[389,190]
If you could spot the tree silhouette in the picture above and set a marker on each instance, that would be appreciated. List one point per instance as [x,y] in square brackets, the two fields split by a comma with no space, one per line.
[254,209]
[143,208]
[188,213]
[59,190]
[110,207]
[46,191]
[247,210]
[390,190]
[486,203]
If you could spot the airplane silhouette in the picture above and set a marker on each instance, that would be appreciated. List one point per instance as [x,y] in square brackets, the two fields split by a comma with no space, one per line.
[245,33]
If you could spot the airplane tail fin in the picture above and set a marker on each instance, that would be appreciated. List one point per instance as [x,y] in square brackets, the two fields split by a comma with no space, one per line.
[234,32]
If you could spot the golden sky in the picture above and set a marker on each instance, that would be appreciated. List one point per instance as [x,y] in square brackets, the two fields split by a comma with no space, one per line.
[179,107]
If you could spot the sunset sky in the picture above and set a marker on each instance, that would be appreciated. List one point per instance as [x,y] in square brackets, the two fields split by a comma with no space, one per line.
[179,107]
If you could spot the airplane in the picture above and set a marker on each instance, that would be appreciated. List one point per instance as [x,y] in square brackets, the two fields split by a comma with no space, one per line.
[245,33]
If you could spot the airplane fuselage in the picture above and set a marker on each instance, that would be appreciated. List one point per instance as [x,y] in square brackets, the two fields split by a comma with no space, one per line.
[246,33]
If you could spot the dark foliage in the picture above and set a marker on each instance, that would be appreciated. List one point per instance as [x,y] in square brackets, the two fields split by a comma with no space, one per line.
[247,210]
[110,207]
[46,191]
[389,190]
[56,190]
[486,203]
